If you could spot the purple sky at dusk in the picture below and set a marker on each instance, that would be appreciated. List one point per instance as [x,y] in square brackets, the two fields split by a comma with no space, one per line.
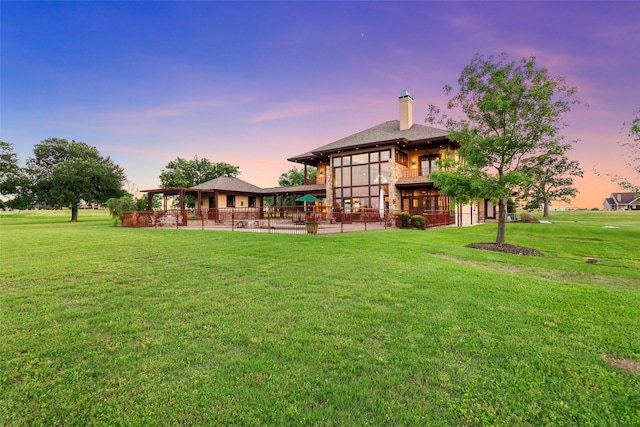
[252,83]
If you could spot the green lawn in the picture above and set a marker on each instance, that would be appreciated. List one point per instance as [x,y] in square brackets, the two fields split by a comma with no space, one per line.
[103,325]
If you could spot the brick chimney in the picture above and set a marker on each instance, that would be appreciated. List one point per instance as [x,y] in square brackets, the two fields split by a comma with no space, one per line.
[406,110]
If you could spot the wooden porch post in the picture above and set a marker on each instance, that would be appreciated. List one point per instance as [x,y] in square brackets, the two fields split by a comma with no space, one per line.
[182,207]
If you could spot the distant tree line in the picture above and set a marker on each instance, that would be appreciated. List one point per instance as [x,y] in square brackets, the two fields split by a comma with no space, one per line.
[68,174]
[60,174]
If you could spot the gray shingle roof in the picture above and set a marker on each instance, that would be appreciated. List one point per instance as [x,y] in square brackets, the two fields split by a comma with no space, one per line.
[311,188]
[225,183]
[625,197]
[235,185]
[305,156]
[386,132]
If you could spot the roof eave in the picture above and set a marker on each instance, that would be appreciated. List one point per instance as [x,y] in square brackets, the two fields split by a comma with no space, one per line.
[402,142]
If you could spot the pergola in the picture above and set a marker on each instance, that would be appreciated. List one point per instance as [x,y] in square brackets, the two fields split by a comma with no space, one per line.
[181,192]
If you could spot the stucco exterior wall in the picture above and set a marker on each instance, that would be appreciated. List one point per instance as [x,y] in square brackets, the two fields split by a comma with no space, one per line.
[466,215]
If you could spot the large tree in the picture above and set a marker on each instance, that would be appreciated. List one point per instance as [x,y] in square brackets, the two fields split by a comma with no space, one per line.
[295,176]
[187,173]
[11,174]
[550,179]
[512,110]
[633,155]
[9,164]
[65,174]
[292,177]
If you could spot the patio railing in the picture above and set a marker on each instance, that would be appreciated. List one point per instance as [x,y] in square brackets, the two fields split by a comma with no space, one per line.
[277,219]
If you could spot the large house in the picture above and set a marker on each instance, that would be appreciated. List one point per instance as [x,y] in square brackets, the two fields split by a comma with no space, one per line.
[387,166]
[622,202]
[383,168]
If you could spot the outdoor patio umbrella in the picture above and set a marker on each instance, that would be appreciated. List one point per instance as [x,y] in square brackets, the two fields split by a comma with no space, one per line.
[381,205]
[307,198]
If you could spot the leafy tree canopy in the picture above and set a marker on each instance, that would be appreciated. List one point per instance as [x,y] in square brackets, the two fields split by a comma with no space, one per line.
[9,164]
[118,205]
[63,174]
[633,156]
[13,180]
[511,111]
[188,173]
[295,176]
[128,203]
[550,178]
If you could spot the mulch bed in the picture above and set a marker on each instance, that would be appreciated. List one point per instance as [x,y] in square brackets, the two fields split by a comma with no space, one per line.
[505,247]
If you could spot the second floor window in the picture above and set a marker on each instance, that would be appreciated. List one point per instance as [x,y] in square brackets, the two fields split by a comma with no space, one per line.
[402,158]
[428,164]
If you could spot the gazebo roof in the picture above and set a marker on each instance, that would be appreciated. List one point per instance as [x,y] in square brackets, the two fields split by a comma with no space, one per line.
[225,183]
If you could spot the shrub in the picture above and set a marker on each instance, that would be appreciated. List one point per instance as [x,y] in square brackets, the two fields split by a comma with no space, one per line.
[417,221]
[406,220]
[118,206]
[525,217]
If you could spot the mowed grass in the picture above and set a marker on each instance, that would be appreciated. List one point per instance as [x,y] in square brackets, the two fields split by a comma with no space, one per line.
[103,325]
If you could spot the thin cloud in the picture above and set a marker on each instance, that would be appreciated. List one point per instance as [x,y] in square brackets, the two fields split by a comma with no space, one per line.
[619,35]
[152,114]
[178,109]
[289,111]
[140,149]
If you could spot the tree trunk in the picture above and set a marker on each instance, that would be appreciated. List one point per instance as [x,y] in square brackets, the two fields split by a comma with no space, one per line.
[545,213]
[74,214]
[502,220]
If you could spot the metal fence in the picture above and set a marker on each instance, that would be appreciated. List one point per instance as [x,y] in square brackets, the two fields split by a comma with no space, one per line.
[278,219]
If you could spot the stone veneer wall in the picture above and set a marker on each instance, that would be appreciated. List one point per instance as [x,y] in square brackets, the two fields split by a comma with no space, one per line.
[394,192]
[328,184]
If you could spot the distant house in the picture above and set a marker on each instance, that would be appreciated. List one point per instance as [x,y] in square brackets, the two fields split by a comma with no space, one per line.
[623,201]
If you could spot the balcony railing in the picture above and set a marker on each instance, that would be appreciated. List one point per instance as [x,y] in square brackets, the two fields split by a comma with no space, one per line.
[313,181]
[413,173]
